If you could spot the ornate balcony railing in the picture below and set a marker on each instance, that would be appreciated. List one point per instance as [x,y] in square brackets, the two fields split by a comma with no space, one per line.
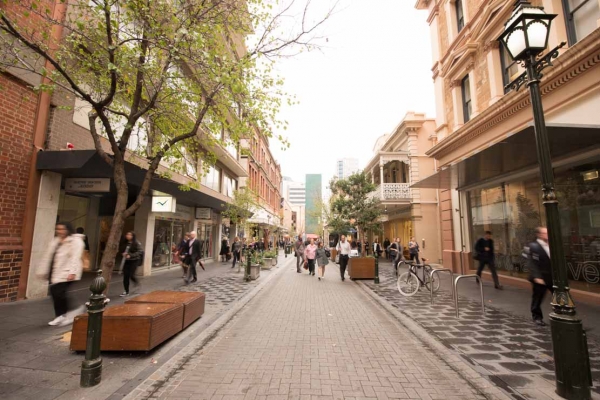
[392,192]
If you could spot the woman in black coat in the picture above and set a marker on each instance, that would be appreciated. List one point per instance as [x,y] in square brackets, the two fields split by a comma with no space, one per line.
[132,257]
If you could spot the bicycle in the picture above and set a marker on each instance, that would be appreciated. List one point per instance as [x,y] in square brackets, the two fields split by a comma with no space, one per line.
[409,283]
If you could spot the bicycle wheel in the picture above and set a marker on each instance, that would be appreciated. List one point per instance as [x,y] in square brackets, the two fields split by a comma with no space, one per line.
[408,284]
[435,277]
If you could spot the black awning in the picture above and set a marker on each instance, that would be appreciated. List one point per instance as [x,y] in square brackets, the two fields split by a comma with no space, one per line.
[515,153]
[89,164]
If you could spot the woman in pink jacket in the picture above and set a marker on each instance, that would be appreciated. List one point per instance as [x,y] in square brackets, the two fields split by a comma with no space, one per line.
[310,255]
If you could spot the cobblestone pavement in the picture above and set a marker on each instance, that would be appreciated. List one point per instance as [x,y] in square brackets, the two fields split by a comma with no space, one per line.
[511,351]
[35,361]
[302,338]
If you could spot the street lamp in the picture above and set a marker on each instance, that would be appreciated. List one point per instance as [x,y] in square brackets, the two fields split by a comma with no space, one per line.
[525,36]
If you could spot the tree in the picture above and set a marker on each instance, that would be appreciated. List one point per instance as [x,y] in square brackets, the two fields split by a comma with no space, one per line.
[164,81]
[353,205]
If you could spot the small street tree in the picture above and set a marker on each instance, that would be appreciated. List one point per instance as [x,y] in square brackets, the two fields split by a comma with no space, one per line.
[353,206]
[164,81]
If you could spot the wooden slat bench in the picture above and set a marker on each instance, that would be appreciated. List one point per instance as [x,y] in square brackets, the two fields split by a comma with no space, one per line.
[132,327]
[193,302]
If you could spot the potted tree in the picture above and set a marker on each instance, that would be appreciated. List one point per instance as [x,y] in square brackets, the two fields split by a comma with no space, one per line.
[255,264]
[351,204]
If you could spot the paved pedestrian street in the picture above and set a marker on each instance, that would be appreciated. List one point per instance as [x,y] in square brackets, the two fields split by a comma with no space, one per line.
[510,351]
[301,338]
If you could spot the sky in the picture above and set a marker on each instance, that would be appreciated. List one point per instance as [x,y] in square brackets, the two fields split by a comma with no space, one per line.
[374,66]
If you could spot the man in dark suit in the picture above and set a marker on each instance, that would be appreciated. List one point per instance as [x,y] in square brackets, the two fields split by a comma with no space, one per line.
[195,253]
[540,273]
[484,250]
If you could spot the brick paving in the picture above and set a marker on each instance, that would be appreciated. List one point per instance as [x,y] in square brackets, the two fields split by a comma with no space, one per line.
[35,361]
[301,338]
[509,350]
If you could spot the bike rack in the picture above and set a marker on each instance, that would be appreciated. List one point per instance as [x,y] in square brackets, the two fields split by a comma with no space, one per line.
[458,278]
[451,280]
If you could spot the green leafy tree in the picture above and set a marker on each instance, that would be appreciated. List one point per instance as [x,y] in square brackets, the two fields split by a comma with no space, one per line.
[164,81]
[353,205]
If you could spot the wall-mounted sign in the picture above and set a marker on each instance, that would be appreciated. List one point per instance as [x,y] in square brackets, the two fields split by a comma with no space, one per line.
[203,213]
[164,204]
[87,184]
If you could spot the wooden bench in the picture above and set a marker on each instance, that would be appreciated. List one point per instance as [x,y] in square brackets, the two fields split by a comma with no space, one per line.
[132,327]
[193,303]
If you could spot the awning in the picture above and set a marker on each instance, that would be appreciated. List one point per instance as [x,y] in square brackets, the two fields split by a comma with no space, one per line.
[515,153]
[89,164]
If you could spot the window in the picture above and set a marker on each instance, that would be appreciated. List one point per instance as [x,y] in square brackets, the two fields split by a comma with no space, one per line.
[460,17]
[510,68]
[581,17]
[212,179]
[229,185]
[465,88]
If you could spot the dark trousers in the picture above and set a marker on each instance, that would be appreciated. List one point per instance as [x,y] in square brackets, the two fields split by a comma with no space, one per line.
[414,257]
[129,274]
[236,257]
[60,298]
[343,265]
[539,291]
[192,268]
[311,266]
[299,263]
[492,267]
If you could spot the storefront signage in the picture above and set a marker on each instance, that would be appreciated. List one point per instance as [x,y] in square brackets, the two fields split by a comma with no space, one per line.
[163,204]
[203,213]
[87,185]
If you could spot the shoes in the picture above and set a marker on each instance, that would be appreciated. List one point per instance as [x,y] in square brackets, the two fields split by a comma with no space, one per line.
[66,321]
[194,280]
[499,287]
[539,322]
[299,272]
[343,279]
[124,294]
[319,278]
[57,321]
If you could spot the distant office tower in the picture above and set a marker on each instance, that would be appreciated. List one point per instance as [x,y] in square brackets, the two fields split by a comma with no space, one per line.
[314,201]
[346,167]
[294,192]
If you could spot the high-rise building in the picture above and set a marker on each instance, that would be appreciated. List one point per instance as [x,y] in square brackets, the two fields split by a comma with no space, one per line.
[346,167]
[295,194]
[314,199]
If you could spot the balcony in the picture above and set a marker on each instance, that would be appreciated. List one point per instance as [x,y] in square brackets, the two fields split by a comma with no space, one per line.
[392,192]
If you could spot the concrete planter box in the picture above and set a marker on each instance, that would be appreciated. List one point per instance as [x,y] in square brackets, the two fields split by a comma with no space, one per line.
[268,263]
[254,272]
[361,268]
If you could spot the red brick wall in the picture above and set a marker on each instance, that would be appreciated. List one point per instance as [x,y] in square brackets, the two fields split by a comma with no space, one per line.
[18,104]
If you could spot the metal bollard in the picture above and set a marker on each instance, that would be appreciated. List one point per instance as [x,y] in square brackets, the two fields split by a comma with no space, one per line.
[248,257]
[376,281]
[91,367]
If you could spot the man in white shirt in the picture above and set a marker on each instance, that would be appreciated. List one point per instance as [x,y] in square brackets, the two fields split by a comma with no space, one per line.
[343,249]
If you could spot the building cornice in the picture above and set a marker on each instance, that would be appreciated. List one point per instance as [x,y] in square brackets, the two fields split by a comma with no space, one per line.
[574,62]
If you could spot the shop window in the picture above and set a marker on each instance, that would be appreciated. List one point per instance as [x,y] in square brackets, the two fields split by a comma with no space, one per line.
[581,17]
[460,16]
[465,87]
[510,68]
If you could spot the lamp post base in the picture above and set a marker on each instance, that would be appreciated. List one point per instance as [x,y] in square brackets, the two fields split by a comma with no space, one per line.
[91,372]
[571,358]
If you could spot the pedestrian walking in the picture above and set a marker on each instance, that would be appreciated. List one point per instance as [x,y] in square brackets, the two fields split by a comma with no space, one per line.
[540,273]
[310,255]
[377,248]
[299,249]
[413,249]
[132,254]
[182,252]
[236,250]
[322,260]
[193,258]
[224,249]
[61,266]
[484,253]
[386,244]
[344,249]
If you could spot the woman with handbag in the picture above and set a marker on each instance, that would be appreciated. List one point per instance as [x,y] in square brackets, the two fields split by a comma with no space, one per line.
[131,259]
[310,254]
[322,260]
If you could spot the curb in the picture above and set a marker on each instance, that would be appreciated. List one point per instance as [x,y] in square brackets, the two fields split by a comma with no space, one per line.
[153,379]
[454,361]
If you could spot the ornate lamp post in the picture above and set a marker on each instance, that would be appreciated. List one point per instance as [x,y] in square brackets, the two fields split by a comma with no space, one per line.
[525,37]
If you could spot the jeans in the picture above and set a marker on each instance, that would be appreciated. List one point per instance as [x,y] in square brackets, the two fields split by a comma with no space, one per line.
[492,266]
[539,291]
[236,257]
[129,274]
[343,265]
[60,298]
[311,266]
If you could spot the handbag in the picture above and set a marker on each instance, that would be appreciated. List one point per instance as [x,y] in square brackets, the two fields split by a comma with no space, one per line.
[305,264]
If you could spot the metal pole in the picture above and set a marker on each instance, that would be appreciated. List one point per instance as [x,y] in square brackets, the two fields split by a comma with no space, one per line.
[376,268]
[248,257]
[569,341]
[91,367]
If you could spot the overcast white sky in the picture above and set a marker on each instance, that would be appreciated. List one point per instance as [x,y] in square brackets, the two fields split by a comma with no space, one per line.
[375,66]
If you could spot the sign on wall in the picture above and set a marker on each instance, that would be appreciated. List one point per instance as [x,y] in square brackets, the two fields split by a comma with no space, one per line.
[87,184]
[164,204]
[203,213]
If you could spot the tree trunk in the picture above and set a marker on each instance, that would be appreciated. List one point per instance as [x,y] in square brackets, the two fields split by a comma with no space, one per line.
[361,241]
